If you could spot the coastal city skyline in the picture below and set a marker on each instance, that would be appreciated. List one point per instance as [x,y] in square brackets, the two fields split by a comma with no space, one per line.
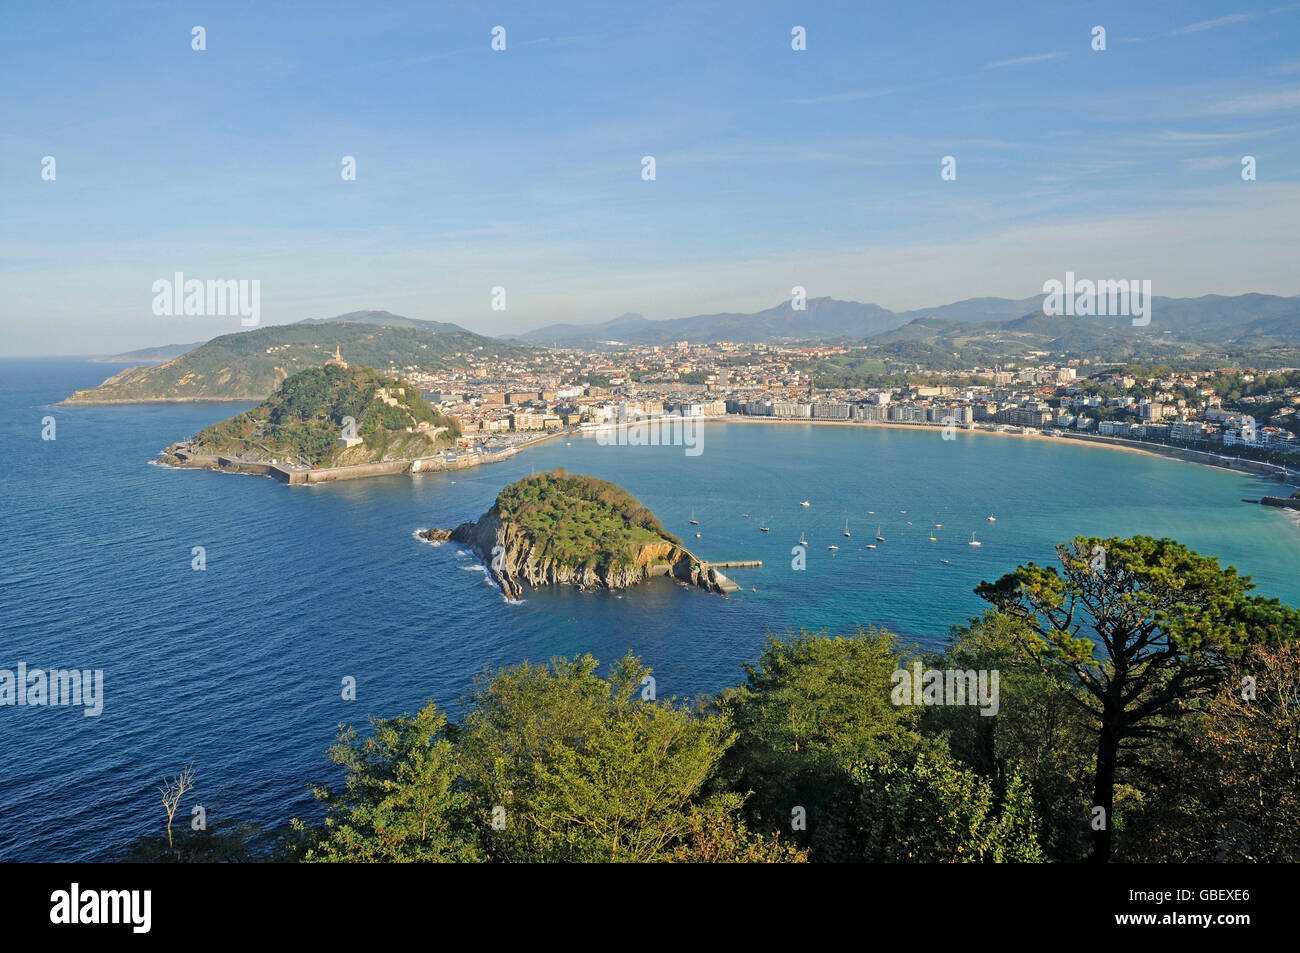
[1179,387]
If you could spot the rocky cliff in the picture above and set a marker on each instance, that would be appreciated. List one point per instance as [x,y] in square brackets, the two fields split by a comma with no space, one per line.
[511,557]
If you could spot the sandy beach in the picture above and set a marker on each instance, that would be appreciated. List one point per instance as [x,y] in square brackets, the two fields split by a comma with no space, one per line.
[1187,455]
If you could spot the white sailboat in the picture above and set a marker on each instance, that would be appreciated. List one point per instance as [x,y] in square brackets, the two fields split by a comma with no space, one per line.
[974,541]
[878,536]
[846,527]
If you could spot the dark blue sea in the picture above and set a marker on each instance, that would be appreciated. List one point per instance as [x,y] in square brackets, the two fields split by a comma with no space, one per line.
[238,668]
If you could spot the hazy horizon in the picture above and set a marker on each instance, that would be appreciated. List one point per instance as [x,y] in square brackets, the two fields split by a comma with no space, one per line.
[522,168]
[232,322]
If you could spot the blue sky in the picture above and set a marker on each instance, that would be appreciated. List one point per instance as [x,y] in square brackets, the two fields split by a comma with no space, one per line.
[522,168]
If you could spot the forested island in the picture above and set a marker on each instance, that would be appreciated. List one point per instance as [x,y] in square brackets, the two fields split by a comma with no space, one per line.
[325,417]
[561,528]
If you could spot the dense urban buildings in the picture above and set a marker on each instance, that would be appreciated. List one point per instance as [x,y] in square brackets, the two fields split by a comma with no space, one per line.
[1225,409]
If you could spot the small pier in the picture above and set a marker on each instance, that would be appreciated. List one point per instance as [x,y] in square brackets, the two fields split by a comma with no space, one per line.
[713,571]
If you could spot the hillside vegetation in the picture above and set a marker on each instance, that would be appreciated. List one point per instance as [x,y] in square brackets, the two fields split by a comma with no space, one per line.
[1247,327]
[580,521]
[303,420]
[250,365]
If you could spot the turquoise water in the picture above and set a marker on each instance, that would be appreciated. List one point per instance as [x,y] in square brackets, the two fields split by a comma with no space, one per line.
[239,667]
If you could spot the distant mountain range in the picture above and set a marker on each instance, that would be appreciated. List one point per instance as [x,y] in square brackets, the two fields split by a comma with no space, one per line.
[389,320]
[148,355]
[249,365]
[1238,325]
[984,330]
[824,319]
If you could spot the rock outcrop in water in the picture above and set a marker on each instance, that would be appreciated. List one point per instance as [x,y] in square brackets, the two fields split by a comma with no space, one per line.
[554,528]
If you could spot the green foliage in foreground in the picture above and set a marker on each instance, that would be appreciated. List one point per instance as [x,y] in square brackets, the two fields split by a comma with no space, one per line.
[551,763]
[811,710]
[580,521]
[401,801]
[811,758]
[928,808]
[1224,787]
[1141,626]
[820,736]
[584,769]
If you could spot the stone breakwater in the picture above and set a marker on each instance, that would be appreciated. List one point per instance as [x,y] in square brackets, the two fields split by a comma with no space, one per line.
[179,455]
[1286,503]
[511,558]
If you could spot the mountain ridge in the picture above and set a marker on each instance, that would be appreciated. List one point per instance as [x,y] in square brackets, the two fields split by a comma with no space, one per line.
[833,319]
[249,365]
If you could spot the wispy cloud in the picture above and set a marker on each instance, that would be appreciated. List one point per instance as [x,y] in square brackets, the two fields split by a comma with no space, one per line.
[536,41]
[855,95]
[1023,60]
[1256,103]
[1207,138]
[841,97]
[1202,25]
[1230,19]
[1207,163]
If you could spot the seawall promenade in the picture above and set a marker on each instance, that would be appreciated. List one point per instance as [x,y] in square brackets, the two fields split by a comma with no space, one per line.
[301,475]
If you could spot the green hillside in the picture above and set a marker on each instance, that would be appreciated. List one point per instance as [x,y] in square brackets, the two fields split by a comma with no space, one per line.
[303,421]
[579,520]
[250,365]
[1249,327]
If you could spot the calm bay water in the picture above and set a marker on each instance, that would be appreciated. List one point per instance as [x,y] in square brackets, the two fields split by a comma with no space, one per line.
[239,667]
